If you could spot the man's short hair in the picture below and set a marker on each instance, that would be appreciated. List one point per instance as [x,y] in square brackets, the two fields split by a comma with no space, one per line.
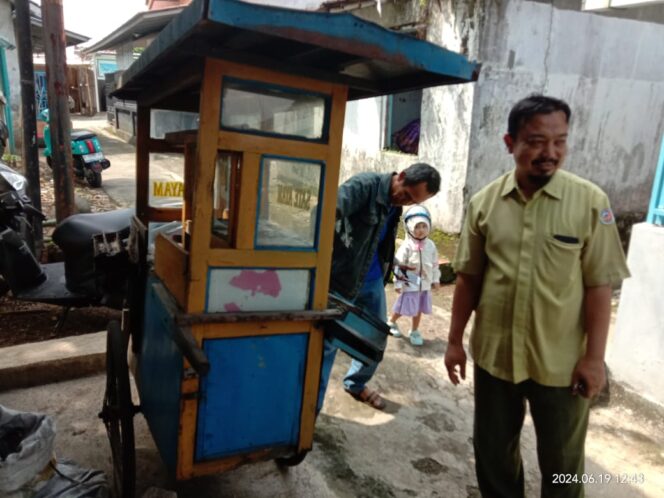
[422,172]
[526,108]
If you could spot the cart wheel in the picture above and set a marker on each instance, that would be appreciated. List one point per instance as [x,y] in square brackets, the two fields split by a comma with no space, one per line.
[291,461]
[118,412]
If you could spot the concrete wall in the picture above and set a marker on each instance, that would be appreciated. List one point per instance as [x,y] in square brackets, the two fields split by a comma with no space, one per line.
[610,70]
[14,97]
[446,112]
[363,141]
[635,353]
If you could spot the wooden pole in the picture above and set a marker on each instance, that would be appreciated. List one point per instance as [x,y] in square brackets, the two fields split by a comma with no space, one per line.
[30,150]
[58,106]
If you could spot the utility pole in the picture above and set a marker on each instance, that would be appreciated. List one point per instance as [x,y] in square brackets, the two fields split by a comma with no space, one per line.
[30,151]
[58,107]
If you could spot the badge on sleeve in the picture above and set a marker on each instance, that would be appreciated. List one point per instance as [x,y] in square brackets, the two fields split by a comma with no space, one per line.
[606,217]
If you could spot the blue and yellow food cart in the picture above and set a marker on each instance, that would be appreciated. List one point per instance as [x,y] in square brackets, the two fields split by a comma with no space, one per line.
[229,295]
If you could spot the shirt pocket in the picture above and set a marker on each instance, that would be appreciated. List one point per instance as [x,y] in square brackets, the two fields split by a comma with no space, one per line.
[559,264]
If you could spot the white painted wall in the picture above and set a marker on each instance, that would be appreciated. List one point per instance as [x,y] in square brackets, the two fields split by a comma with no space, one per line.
[610,71]
[635,353]
[14,97]
[447,113]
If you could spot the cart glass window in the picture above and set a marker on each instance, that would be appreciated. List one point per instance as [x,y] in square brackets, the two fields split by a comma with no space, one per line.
[258,289]
[163,121]
[252,107]
[288,203]
[166,180]
[226,185]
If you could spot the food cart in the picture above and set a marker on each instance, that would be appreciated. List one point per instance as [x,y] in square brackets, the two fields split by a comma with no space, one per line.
[229,297]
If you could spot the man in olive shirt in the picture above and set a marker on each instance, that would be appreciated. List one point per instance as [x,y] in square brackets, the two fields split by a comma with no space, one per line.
[538,256]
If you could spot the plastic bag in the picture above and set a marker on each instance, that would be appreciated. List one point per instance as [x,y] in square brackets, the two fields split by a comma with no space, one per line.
[72,481]
[27,464]
[26,446]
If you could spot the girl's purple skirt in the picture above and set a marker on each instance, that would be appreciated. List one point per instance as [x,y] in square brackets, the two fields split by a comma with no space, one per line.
[413,303]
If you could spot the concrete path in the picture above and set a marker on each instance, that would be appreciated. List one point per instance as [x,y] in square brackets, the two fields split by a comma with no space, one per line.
[33,364]
[419,446]
[119,180]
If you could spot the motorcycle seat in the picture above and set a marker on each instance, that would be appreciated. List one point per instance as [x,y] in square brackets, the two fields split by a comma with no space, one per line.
[74,234]
[82,134]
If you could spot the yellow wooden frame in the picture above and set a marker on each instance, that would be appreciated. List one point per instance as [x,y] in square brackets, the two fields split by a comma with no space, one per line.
[210,139]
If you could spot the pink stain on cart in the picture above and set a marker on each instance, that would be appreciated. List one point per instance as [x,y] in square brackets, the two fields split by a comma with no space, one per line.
[264,282]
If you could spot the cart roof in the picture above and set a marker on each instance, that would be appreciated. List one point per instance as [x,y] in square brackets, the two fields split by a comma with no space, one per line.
[340,48]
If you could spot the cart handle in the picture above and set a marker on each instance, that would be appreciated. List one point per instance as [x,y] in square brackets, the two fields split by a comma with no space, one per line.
[195,355]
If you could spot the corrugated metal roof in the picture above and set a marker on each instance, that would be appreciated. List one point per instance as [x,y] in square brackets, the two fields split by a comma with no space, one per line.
[342,48]
[142,24]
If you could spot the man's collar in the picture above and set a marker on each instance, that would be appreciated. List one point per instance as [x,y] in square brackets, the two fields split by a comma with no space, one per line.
[510,184]
[554,188]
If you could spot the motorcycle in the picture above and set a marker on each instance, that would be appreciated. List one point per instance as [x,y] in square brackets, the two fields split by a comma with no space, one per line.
[89,159]
[96,267]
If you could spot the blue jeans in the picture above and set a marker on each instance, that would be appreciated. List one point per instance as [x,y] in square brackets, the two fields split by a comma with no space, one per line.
[372,298]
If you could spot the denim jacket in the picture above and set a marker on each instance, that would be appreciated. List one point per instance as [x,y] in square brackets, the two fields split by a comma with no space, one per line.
[363,203]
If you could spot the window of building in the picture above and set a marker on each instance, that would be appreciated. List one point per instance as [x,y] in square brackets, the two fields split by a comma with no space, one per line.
[402,123]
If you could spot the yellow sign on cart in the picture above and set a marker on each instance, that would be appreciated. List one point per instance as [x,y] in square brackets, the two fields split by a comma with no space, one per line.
[167,189]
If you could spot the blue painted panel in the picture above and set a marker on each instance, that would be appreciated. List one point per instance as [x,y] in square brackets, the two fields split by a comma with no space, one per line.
[656,209]
[252,397]
[344,32]
[160,374]
[404,63]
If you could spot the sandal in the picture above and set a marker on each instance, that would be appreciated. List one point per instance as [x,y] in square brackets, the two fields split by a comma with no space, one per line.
[371,398]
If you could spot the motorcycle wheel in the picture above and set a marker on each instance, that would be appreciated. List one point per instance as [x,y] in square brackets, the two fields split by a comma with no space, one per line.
[93,178]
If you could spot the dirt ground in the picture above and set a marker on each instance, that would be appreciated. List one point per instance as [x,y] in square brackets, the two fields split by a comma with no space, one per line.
[419,446]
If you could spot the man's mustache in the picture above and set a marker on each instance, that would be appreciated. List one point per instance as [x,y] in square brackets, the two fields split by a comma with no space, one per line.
[538,162]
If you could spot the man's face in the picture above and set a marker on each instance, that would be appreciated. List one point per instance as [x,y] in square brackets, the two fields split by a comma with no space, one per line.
[405,195]
[539,148]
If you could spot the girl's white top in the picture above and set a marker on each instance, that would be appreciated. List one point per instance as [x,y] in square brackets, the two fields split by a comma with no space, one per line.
[423,255]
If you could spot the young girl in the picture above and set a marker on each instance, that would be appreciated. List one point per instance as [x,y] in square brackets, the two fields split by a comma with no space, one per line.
[416,272]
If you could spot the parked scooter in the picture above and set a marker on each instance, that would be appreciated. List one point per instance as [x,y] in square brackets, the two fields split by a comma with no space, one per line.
[96,266]
[89,160]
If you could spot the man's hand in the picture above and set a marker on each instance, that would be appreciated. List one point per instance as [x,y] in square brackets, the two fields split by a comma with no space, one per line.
[589,377]
[455,357]
[435,285]
[397,290]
